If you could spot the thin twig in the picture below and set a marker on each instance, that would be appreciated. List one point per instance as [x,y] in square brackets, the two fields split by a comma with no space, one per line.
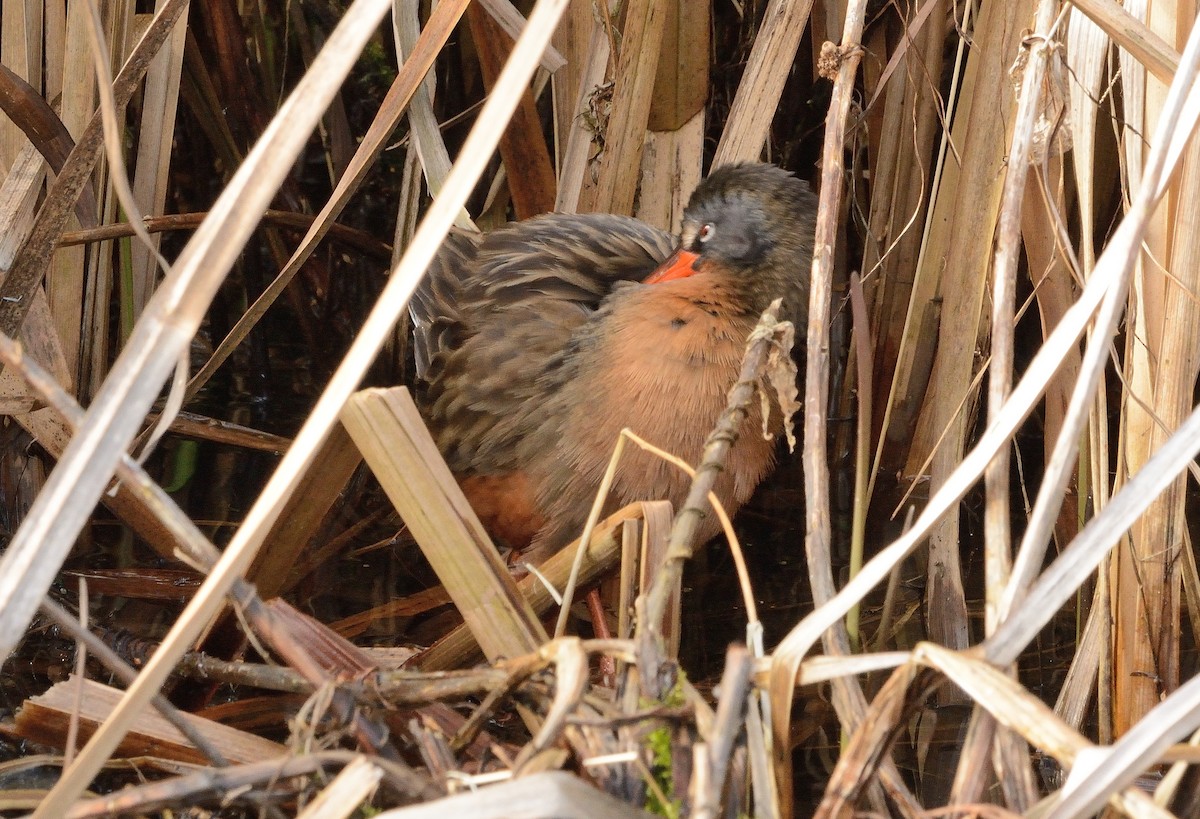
[716,448]
[731,710]
[126,674]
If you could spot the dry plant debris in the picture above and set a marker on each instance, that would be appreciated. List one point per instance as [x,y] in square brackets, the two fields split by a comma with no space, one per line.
[1007,179]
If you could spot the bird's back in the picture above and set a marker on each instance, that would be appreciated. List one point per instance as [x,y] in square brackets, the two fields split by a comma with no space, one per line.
[497,312]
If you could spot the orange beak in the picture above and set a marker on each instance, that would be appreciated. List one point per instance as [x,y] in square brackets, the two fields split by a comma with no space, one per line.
[677,266]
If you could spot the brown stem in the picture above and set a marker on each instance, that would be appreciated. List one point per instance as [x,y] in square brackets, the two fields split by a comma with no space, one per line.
[681,546]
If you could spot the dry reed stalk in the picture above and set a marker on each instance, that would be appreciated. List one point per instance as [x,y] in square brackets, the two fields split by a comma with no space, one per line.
[998,546]
[389,432]
[575,136]
[671,168]
[735,690]
[762,83]
[427,143]
[601,555]
[1021,624]
[155,141]
[572,39]
[361,240]
[681,80]
[164,331]
[1054,276]
[169,793]
[1021,711]
[1141,43]
[1112,275]
[1145,581]
[901,176]
[633,85]
[29,266]
[980,128]
[1161,535]
[18,195]
[86,302]
[349,791]
[1142,489]
[126,674]
[43,716]
[1013,706]
[280,564]
[1011,757]
[20,42]
[530,178]
[673,151]
[849,700]
[863,367]
[511,22]
[65,280]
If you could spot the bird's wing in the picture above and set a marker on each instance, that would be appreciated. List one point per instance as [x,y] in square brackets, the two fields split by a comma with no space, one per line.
[434,305]
[499,325]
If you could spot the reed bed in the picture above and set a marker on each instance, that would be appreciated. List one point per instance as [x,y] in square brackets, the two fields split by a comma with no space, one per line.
[998,426]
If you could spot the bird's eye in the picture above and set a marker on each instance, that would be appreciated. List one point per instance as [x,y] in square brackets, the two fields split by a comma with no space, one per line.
[706,232]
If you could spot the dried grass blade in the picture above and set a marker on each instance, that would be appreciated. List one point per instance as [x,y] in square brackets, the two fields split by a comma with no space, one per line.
[762,83]
[1110,269]
[20,42]
[671,167]
[31,113]
[430,147]
[998,535]
[155,143]
[899,201]
[981,121]
[511,22]
[681,83]
[1073,567]
[412,73]
[1013,769]
[30,265]
[349,790]
[1108,770]
[859,760]
[1134,37]
[530,172]
[389,432]
[1022,712]
[1081,678]
[1087,47]
[166,328]
[600,556]
[579,135]
[18,195]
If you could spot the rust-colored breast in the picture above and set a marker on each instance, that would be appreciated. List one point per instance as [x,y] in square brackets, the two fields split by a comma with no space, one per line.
[659,359]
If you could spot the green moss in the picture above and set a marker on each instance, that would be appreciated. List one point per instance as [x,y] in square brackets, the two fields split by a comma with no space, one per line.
[659,799]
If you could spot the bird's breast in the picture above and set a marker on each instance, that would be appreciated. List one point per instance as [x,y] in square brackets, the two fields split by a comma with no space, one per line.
[662,366]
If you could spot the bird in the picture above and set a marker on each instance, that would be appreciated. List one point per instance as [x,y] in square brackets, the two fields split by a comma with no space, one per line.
[536,343]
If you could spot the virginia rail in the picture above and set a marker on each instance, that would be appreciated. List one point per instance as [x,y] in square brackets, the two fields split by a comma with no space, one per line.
[537,343]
